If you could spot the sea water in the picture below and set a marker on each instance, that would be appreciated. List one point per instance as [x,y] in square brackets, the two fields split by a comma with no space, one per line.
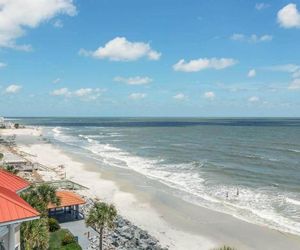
[249,168]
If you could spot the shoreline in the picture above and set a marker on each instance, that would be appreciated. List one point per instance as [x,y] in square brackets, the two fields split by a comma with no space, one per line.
[137,200]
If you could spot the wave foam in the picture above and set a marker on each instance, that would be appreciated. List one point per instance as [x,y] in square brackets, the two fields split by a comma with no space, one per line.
[295,202]
[251,205]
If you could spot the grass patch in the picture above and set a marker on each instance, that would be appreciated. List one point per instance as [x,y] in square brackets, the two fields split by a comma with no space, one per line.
[56,239]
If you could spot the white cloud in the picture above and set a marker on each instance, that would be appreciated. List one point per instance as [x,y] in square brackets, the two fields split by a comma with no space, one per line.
[237,37]
[136,80]
[253,99]
[296,74]
[290,68]
[137,96]
[13,89]
[295,84]
[57,80]
[289,16]
[58,23]
[2,65]
[120,49]
[252,38]
[88,93]
[17,15]
[293,69]
[261,6]
[209,95]
[204,63]
[180,97]
[82,93]
[61,92]
[252,73]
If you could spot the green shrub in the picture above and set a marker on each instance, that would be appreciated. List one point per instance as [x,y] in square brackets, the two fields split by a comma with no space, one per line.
[68,239]
[11,169]
[225,248]
[53,225]
[72,246]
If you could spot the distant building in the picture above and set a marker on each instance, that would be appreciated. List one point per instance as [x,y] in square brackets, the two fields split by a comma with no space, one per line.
[14,160]
[14,210]
[2,122]
[6,124]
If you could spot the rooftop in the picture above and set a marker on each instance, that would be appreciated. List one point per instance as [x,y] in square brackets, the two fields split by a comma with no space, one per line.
[12,182]
[13,208]
[13,158]
[67,198]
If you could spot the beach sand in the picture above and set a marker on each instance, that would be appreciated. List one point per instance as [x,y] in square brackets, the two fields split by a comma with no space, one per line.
[174,222]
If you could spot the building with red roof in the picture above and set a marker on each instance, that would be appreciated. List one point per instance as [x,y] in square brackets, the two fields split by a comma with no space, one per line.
[69,205]
[67,199]
[13,210]
[12,182]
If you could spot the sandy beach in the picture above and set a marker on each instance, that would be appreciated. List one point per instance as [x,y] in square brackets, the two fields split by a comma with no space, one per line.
[177,224]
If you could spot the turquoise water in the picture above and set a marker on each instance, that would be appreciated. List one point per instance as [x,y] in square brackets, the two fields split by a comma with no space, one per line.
[202,160]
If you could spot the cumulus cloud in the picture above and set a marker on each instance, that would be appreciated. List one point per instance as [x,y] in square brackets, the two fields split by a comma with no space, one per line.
[82,93]
[290,68]
[88,93]
[13,89]
[120,49]
[61,92]
[293,69]
[17,15]
[137,96]
[289,16]
[136,80]
[204,63]
[261,6]
[209,95]
[180,97]
[295,85]
[252,73]
[253,99]
[251,38]
[296,74]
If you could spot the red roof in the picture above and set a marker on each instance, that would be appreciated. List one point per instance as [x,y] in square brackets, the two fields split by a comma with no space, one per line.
[67,199]
[14,208]
[12,182]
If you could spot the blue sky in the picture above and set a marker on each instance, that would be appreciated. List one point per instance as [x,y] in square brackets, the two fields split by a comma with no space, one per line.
[149,58]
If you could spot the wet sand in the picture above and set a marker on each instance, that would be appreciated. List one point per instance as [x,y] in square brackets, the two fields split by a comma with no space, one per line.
[148,204]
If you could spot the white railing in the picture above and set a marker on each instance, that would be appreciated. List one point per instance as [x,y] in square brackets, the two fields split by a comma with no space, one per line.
[3,231]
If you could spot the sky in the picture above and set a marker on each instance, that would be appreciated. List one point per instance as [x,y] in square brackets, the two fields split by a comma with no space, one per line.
[150,58]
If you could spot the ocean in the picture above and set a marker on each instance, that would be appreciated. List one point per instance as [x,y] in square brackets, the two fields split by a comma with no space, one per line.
[249,168]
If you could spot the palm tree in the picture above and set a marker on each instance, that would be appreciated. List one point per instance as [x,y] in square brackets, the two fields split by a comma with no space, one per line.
[101,216]
[40,196]
[35,234]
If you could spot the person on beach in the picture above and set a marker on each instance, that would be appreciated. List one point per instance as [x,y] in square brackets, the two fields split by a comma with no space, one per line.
[226,195]
[237,192]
